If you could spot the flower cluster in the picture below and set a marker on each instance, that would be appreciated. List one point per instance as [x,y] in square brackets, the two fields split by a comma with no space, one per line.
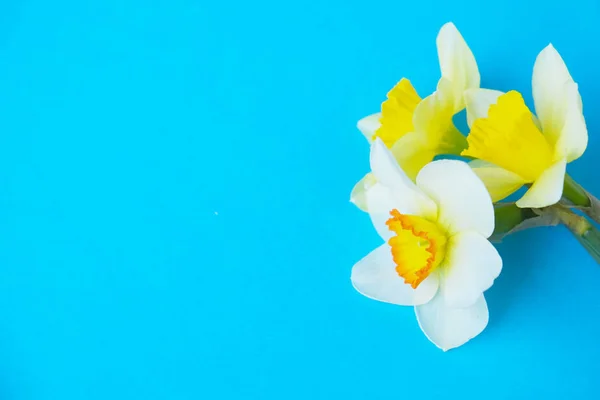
[436,217]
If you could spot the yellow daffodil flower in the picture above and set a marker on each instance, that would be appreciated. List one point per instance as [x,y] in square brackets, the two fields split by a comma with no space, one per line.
[436,256]
[416,129]
[514,148]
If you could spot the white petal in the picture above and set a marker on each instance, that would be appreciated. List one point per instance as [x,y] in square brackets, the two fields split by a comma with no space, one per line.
[478,103]
[549,83]
[375,277]
[432,120]
[558,105]
[387,171]
[358,196]
[573,138]
[547,189]
[433,115]
[413,152]
[462,199]
[470,267]
[457,63]
[499,182]
[450,327]
[368,125]
[380,200]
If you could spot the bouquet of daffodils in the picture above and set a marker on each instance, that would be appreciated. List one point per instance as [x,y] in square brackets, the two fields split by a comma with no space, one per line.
[437,218]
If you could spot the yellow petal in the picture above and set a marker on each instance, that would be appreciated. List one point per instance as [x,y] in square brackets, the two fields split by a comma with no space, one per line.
[397,113]
[510,139]
[499,182]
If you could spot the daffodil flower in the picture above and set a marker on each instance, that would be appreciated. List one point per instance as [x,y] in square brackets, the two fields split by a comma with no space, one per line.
[416,129]
[436,256]
[514,148]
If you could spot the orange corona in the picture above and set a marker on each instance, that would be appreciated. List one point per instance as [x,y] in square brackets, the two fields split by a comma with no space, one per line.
[418,246]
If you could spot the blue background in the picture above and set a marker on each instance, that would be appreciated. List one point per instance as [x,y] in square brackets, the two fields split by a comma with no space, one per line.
[174,215]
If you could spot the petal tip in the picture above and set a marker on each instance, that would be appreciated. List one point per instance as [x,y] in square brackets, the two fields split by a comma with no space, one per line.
[448,27]
[369,125]
[547,190]
[549,50]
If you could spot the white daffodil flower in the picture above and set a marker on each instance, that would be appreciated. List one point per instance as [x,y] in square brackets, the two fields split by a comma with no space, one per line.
[436,256]
[415,129]
[514,148]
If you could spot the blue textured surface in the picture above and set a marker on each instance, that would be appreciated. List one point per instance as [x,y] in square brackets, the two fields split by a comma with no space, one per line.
[174,215]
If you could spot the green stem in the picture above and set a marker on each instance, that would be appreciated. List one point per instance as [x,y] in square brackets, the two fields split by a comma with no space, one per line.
[579,197]
[591,242]
[585,232]
[576,194]
[508,216]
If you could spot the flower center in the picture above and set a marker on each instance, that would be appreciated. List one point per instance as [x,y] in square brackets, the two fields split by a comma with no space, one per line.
[397,113]
[509,138]
[418,247]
